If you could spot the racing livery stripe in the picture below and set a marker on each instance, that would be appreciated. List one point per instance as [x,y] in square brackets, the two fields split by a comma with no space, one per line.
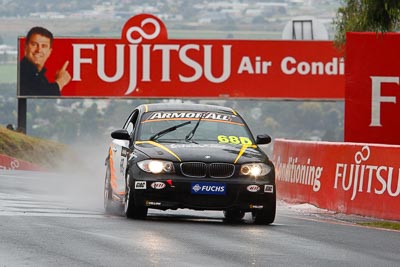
[146,108]
[113,179]
[160,146]
[233,111]
[242,150]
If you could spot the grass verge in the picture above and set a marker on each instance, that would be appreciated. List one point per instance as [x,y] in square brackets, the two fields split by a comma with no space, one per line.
[384,225]
[38,151]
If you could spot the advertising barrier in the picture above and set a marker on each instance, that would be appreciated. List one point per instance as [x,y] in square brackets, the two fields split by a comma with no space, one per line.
[10,163]
[351,178]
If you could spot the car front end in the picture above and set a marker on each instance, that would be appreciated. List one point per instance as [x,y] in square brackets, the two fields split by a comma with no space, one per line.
[202,178]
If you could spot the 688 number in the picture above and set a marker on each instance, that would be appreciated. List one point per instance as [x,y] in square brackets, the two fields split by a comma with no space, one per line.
[236,140]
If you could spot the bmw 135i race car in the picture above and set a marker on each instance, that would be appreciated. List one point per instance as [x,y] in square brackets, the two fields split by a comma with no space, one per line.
[201,157]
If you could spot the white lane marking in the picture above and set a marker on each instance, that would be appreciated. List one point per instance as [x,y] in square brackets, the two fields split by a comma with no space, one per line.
[22,205]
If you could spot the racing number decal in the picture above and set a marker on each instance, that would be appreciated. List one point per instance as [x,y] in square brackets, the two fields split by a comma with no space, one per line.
[234,140]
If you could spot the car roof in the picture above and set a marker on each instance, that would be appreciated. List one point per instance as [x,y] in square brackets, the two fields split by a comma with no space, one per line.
[184,106]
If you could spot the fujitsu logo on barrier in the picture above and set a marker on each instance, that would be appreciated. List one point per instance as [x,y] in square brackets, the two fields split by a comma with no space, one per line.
[361,178]
[13,165]
[296,173]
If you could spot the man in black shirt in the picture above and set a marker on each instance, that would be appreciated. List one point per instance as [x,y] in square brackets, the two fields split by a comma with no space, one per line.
[38,47]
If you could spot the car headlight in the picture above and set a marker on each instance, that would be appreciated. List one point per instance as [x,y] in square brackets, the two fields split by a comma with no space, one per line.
[255,169]
[156,166]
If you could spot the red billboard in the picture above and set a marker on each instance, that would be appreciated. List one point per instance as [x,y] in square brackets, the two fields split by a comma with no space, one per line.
[145,63]
[372,88]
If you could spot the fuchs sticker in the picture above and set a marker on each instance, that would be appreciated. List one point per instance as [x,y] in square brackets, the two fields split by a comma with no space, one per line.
[157,185]
[268,188]
[140,185]
[253,188]
[209,188]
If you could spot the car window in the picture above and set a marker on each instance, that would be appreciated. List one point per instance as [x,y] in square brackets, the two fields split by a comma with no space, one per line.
[131,122]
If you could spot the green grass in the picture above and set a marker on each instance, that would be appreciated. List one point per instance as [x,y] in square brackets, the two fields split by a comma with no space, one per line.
[8,73]
[385,225]
[35,150]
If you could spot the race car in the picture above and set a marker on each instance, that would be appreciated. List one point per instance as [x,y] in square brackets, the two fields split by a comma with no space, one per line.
[194,156]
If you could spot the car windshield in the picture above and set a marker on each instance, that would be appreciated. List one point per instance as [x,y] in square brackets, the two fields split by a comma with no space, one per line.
[212,127]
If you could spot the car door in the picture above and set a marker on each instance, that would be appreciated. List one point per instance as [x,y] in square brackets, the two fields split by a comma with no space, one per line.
[119,156]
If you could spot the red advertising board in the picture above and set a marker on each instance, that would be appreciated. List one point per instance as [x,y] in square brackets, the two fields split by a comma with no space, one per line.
[144,62]
[372,105]
[350,178]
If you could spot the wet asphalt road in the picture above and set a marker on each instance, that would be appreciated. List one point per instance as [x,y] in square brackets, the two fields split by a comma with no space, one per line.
[49,219]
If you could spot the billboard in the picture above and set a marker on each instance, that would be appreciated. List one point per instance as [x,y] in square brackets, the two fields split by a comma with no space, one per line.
[145,63]
[372,88]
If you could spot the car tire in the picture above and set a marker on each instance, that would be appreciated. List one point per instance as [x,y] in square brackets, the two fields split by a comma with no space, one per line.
[265,215]
[233,215]
[109,206]
[133,211]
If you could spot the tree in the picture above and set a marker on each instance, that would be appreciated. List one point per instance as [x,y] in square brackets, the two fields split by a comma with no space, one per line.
[89,125]
[366,15]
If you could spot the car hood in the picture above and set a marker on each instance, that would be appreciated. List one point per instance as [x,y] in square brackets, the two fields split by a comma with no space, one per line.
[201,152]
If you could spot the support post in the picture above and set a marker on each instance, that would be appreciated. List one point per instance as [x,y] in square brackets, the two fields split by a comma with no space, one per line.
[21,119]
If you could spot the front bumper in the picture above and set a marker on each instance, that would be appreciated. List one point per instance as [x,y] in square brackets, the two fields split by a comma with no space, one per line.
[203,193]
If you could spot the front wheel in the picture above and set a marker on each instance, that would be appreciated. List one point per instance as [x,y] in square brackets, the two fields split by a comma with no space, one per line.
[233,215]
[266,215]
[131,210]
[108,202]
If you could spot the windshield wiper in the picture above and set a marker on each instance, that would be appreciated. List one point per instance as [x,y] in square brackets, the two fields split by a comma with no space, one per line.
[170,129]
[191,133]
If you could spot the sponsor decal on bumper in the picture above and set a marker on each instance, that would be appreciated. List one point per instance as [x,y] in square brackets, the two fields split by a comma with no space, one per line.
[153,203]
[140,185]
[268,188]
[157,185]
[205,188]
[253,188]
[256,207]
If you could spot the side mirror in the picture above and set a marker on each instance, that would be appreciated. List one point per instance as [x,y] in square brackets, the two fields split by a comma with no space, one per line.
[263,139]
[121,134]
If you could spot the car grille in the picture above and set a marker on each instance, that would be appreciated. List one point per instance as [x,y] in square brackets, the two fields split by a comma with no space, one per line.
[201,169]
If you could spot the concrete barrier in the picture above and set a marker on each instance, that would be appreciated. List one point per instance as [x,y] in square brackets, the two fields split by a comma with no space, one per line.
[352,178]
[10,163]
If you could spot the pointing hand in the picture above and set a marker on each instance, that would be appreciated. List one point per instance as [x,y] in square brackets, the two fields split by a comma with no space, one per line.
[62,76]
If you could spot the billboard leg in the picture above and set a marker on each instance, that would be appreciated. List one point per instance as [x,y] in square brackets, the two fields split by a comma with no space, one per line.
[21,115]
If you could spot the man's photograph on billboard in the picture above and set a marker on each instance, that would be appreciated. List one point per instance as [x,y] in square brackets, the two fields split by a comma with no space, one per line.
[34,77]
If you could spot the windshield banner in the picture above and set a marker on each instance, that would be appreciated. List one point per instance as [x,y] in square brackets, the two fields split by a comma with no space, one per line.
[144,62]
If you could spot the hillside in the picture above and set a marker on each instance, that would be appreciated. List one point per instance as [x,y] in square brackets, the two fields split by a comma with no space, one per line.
[38,151]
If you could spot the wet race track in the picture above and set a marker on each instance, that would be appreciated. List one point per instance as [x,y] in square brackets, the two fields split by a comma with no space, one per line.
[49,219]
